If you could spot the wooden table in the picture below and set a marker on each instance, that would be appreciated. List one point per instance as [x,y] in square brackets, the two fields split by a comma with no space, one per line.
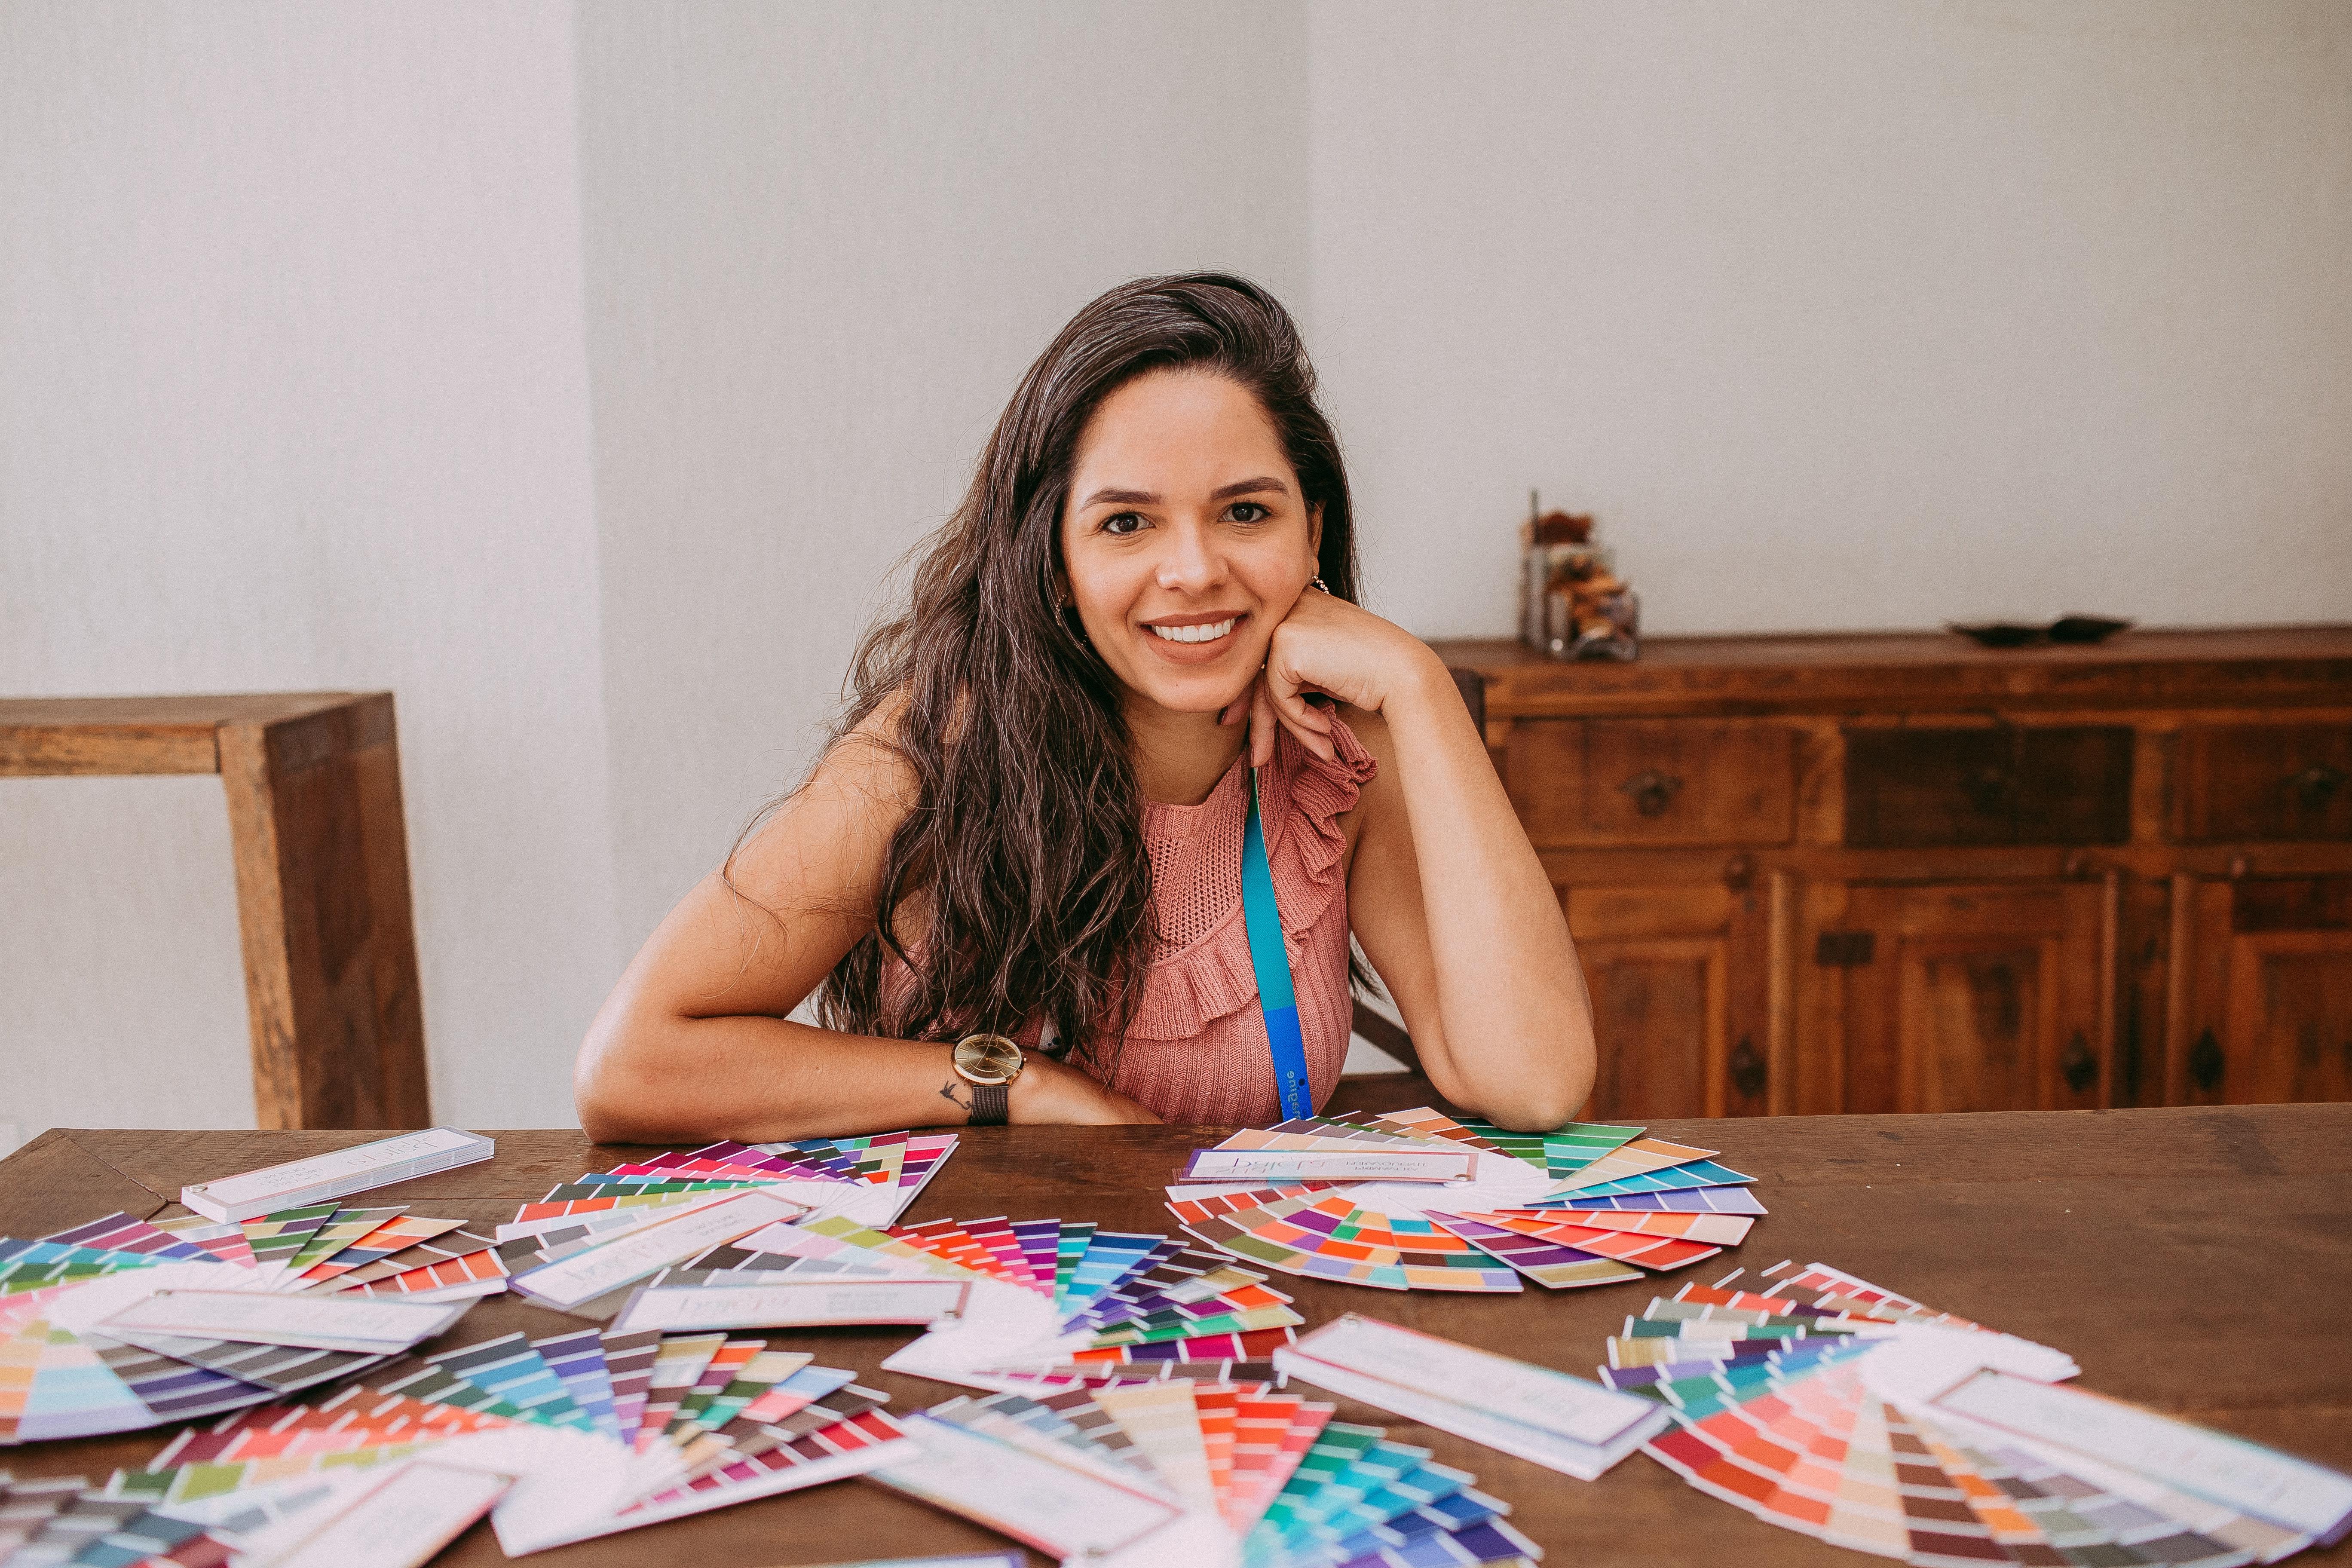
[2191,1258]
[321,853]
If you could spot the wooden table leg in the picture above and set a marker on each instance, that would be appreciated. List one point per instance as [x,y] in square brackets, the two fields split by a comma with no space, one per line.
[322,905]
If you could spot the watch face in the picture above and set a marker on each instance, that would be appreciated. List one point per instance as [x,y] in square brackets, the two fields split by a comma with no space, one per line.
[987,1058]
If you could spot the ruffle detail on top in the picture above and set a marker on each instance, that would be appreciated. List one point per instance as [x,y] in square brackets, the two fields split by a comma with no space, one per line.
[1301,798]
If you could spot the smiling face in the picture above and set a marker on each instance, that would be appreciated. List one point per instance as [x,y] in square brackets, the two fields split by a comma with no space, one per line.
[1185,540]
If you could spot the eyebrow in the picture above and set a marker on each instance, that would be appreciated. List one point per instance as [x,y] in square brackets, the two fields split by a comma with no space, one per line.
[1257,486]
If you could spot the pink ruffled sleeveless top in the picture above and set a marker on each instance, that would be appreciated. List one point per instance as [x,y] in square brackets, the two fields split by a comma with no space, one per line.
[1196,1052]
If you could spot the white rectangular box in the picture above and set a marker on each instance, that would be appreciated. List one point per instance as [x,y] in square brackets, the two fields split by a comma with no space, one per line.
[301,1182]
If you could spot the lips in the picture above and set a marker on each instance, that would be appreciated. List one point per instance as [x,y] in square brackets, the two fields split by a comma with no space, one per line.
[1203,637]
[1208,631]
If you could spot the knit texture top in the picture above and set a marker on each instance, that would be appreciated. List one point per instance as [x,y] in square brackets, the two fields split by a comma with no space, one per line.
[1196,1051]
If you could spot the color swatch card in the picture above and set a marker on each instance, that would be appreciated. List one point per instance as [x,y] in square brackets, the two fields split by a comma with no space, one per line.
[1193,1473]
[1569,1423]
[380,1328]
[1054,1301]
[324,1177]
[1323,1209]
[576,1281]
[396,1515]
[788,1303]
[2227,1472]
[1825,1404]
[1065,1510]
[61,1379]
[862,1181]
[1272,1166]
[124,1323]
[597,1433]
[1544,1246]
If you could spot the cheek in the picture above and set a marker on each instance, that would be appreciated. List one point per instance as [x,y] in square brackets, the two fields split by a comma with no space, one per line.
[1275,576]
[1100,589]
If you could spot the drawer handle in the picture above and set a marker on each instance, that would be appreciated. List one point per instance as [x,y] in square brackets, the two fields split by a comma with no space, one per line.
[2314,786]
[1990,790]
[1749,1073]
[1653,791]
[2080,1068]
[2205,1062]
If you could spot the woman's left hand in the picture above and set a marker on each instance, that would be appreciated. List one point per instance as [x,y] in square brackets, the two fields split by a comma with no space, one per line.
[1327,645]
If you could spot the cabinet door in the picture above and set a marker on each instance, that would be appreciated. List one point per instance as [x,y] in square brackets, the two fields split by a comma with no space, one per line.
[1975,997]
[2262,988]
[1678,984]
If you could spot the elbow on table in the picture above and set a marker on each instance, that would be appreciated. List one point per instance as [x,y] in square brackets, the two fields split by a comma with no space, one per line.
[1540,1112]
[1540,1100]
[608,1111]
[623,1098]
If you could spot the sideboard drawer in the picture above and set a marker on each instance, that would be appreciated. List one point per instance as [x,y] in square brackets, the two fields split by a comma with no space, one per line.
[2264,780]
[1592,782]
[2005,784]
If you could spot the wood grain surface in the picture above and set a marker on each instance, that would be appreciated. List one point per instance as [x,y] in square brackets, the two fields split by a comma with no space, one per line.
[2188,1258]
[321,848]
[2264,667]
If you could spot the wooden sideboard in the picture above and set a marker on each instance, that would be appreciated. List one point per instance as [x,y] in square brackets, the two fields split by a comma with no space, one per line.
[1884,872]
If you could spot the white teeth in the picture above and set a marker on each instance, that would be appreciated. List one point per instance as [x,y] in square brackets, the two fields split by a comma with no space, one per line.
[1208,633]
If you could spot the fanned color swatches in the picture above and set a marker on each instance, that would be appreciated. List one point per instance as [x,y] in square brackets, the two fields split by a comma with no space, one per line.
[1181,1471]
[1048,1303]
[604,1432]
[870,1180]
[1585,1204]
[66,1372]
[1826,1404]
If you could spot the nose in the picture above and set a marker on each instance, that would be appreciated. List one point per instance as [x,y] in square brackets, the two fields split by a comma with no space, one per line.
[1191,561]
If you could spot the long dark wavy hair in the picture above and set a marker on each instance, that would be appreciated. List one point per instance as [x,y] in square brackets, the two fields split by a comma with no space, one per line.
[1024,848]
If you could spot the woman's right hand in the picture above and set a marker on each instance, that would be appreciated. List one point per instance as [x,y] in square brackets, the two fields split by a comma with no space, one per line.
[1048,1090]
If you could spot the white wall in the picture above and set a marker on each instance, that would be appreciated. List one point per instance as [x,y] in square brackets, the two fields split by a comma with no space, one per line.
[1845,314]
[293,396]
[575,371]
[823,241]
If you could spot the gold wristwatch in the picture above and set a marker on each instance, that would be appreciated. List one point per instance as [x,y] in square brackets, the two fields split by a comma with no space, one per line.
[989,1063]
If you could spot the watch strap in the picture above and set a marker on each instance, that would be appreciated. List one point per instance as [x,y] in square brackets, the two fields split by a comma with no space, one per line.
[991,1104]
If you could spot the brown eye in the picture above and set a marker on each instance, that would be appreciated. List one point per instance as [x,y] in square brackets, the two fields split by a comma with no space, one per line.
[1122,523]
[1249,511]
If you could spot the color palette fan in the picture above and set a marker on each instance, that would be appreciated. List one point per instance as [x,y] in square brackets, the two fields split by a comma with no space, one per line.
[603,1433]
[1182,1470]
[1048,1301]
[871,1180]
[120,1324]
[1826,1404]
[1585,1204]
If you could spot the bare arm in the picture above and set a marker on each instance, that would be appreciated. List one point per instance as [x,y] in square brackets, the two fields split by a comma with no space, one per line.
[693,1043]
[1445,893]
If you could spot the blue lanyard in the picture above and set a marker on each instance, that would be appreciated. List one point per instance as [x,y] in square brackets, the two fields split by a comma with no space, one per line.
[1275,995]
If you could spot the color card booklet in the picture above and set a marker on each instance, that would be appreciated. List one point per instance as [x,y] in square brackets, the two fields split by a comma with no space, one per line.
[870,1180]
[1063,1303]
[1569,1424]
[1373,1199]
[1823,1404]
[590,1433]
[120,1324]
[300,1184]
[1179,1471]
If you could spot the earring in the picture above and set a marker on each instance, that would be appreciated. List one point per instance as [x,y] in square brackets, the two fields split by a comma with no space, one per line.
[1320,585]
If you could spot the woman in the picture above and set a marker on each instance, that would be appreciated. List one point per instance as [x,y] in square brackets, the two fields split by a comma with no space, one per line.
[1035,820]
